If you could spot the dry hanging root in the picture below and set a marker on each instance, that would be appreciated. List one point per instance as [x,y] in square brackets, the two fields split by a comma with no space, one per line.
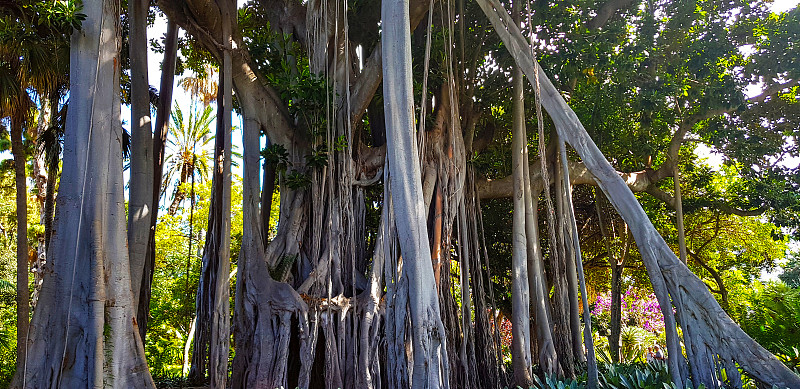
[713,341]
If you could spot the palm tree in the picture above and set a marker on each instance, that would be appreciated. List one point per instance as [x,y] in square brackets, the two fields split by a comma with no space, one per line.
[16,106]
[189,153]
[202,86]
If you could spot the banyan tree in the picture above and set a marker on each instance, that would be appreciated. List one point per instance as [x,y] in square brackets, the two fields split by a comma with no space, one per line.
[378,274]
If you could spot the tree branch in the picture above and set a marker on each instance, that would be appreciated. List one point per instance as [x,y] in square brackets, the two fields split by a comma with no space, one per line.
[605,13]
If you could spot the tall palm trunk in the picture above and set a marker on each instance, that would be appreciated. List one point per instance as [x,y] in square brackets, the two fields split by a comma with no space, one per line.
[49,201]
[23,293]
[40,177]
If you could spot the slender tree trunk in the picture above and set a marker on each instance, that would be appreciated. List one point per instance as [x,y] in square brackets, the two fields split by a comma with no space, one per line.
[587,316]
[84,333]
[186,346]
[679,213]
[221,333]
[436,254]
[140,205]
[159,142]
[565,239]
[23,292]
[520,324]
[548,360]
[267,190]
[617,267]
[49,202]
[40,176]
[430,368]
[212,332]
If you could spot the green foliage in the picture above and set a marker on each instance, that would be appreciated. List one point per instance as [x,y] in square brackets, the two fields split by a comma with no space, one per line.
[556,383]
[8,331]
[635,342]
[276,154]
[653,375]
[307,96]
[791,271]
[772,317]
[318,158]
[297,180]
[283,267]
[8,247]
[176,276]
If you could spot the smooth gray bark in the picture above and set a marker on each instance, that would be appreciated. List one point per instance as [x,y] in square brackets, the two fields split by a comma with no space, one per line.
[548,360]
[220,335]
[430,369]
[566,238]
[520,300]
[84,332]
[587,316]
[140,203]
[709,333]
[676,176]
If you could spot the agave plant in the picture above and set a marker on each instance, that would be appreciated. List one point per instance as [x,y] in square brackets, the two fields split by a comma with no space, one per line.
[551,382]
[635,342]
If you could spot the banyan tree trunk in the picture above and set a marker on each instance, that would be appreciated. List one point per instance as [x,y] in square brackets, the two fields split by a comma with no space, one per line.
[520,342]
[591,365]
[565,238]
[140,205]
[83,333]
[429,366]
[713,340]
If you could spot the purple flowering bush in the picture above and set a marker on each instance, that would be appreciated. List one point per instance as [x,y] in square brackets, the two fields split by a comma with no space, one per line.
[642,325]
[638,309]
